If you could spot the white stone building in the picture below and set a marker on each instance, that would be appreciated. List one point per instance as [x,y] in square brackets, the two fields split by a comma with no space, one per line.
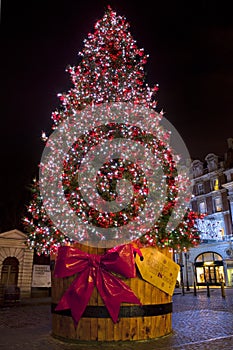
[16,262]
[212,261]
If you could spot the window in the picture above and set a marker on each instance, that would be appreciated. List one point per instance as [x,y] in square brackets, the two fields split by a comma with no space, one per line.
[218,204]
[197,168]
[212,162]
[200,188]
[202,207]
[215,184]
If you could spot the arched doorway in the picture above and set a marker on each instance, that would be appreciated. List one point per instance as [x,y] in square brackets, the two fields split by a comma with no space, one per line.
[10,271]
[209,269]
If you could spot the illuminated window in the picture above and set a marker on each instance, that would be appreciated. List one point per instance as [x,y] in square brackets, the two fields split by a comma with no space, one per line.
[202,207]
[209,269]
[218,204]
[215,184]
[208,257]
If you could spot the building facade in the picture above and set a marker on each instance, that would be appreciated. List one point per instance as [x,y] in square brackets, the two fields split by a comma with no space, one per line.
[23,273]
[16,262]
[212,261]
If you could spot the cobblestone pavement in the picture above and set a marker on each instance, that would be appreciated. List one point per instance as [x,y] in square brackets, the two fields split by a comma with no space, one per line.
[199,323]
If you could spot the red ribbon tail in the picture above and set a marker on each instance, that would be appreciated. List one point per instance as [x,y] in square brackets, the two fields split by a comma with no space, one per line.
[77,296]
[113,292]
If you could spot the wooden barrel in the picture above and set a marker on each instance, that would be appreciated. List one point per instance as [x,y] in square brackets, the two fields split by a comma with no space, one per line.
[151,320]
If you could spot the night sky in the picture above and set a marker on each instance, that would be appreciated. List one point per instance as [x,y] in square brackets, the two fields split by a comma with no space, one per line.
[190,47]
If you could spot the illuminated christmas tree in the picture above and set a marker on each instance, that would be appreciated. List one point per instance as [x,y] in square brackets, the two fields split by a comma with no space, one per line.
[110,71]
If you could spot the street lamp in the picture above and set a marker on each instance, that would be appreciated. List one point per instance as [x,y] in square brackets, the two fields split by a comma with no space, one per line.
[180,262]
[182,278]
[186,254]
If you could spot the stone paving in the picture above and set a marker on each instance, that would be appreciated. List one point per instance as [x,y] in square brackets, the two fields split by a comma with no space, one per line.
[199,323]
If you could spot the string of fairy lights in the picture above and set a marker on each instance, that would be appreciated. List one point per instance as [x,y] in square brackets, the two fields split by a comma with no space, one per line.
[108,170]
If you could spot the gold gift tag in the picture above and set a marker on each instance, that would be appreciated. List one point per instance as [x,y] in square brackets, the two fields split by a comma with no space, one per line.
[157,269]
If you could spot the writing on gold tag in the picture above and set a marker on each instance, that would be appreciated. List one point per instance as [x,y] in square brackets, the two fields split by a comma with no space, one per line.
[158,269]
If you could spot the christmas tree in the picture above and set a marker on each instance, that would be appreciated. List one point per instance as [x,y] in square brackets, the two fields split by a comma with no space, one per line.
[111,74]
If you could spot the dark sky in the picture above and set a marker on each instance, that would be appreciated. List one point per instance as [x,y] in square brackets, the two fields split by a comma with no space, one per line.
[190,47]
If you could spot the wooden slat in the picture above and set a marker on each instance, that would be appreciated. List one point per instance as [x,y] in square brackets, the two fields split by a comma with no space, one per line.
[83,331]
[125,330]
[109,331]
[133,329]
[117,330]
[101,329]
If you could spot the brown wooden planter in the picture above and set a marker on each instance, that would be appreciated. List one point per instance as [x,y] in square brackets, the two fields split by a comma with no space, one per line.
[151,320]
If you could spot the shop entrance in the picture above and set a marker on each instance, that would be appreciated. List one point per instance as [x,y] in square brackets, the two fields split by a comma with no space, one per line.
[209,269]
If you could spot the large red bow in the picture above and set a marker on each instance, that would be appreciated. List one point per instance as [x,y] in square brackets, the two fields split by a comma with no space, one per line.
[96,270]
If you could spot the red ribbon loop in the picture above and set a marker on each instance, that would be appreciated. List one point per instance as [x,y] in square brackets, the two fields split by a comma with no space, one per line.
[96,270]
